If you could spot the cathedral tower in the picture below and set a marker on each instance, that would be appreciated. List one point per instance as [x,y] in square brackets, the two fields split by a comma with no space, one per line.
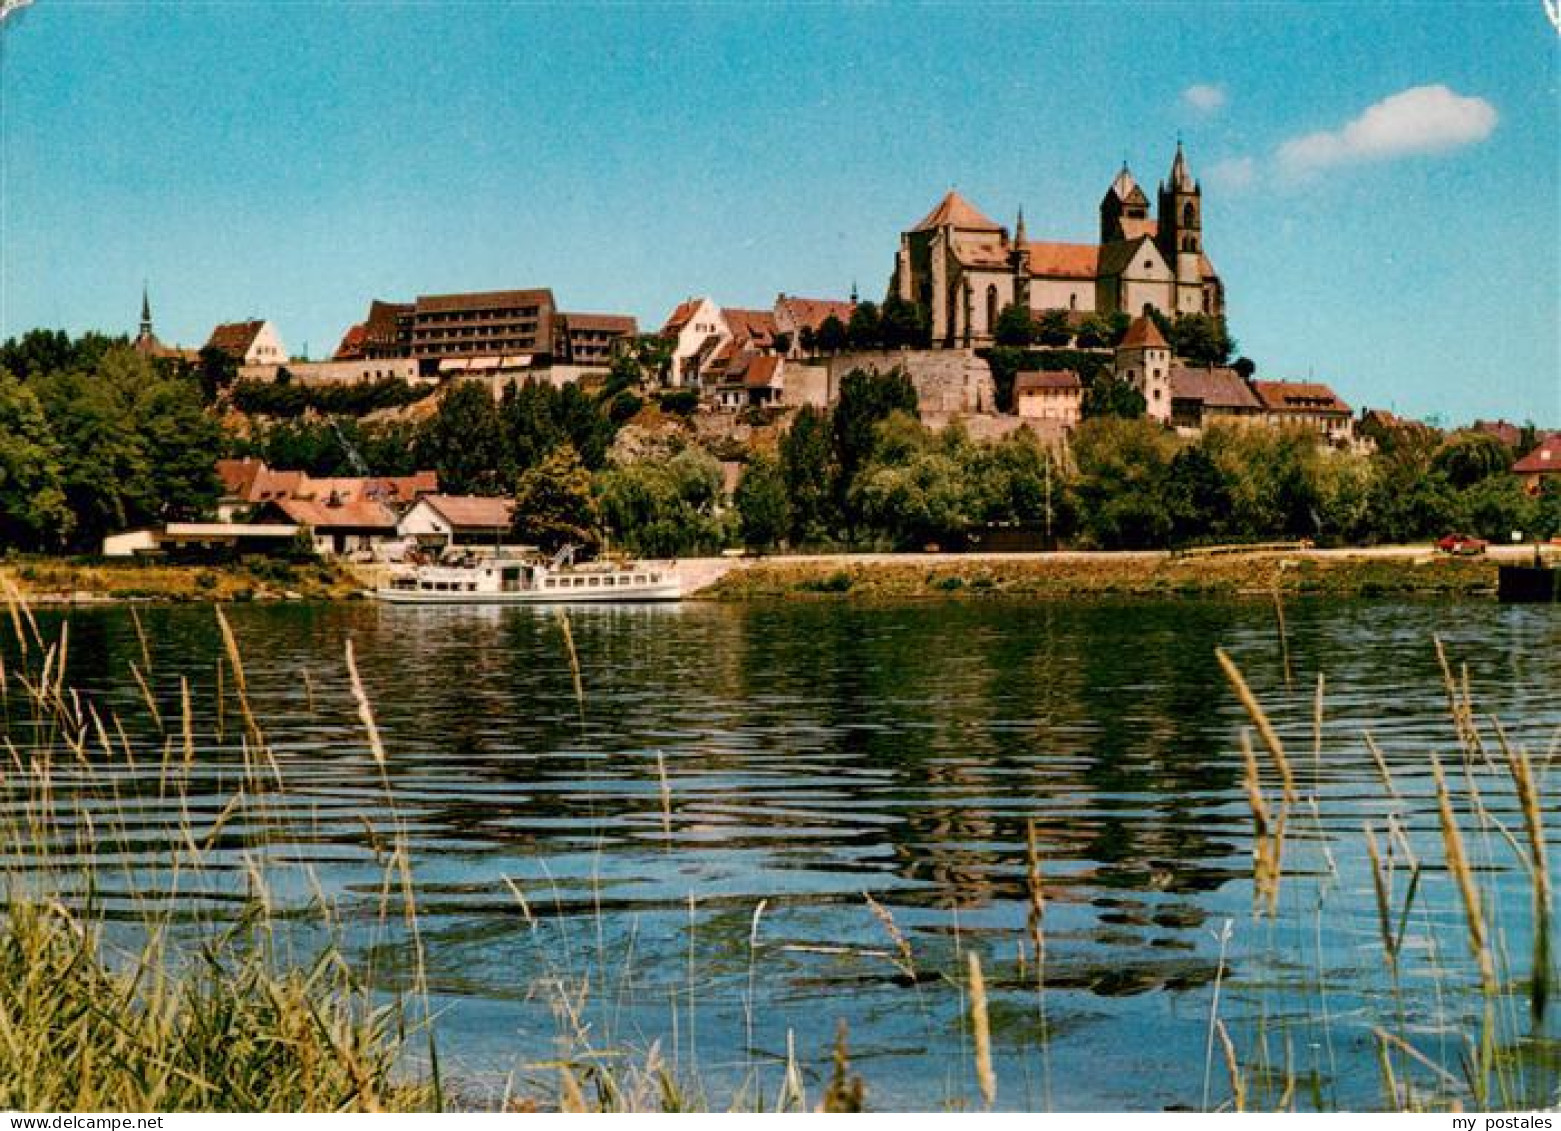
[1124,211]
[1180,235]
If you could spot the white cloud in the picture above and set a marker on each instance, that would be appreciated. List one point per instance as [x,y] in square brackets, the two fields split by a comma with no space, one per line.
[1233,172]
[1204,97]
[1420,120]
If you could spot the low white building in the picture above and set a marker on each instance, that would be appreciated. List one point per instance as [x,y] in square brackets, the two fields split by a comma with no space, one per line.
[255,342]
[440,521]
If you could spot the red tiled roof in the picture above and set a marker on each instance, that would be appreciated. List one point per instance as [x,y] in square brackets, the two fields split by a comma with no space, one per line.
[1215,387]
[1508,433]
[235,338]
[1298,396]
[380,325]
[473,512]
[954,210]
[757,326]
[813,311]
[364,514]
[1064,260]
[612,323]
[238,474]
[387,488]
[1144,333]
[1046,380]
[1543,460]
[352,342]
[762,372]
[484,300]
[679,317]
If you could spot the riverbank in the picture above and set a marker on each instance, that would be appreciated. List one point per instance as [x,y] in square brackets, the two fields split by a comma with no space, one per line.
[1375,573]
[52,581]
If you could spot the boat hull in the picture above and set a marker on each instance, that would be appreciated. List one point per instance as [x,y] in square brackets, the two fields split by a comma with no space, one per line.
[647,594]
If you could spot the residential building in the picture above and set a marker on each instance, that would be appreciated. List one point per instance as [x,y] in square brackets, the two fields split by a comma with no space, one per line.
[1310,403]
[249,487]
[1542,465]
[708,339]
[254,342]
[964,268]
[793,315]
[1055,395]
[590,339]
[488,330]
[440,521]
[1211,394]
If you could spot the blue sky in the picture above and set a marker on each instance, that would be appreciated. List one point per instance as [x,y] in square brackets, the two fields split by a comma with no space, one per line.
[1382,182]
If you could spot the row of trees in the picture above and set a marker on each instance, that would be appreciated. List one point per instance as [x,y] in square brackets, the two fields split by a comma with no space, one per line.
[1130,484]
[94,439]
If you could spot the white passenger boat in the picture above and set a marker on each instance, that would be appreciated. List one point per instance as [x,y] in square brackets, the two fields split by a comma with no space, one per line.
[501,580]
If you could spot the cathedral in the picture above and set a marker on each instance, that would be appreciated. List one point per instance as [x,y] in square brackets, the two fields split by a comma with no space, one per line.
[963,268]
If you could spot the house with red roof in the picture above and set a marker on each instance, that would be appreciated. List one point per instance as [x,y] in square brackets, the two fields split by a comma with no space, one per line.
[1049,395]
[1541,466]
[964,268]
[794,314]
[437,522]
[1309,403]
[254,342]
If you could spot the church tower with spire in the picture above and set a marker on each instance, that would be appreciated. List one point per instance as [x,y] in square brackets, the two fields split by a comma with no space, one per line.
[1180,237]
[1124,211]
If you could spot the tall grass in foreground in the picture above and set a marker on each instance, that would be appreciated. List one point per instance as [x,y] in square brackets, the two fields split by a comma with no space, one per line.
[202,989]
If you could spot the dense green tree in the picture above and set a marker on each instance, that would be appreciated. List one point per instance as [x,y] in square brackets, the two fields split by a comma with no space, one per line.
[866,399]
[665,507]
[1201,339]
[1119,492]
[807,338]
[905,324]
[136,448]
[1096,332]
[1015,327]
[464,442]
[1106,394]
[915,490]
[34,513]
[865,330]
[1197,494]
[216,370]
[831,336]
[762,511]
[554,504]
[1466,458]
[806,456]
[1497,507]
[1052,328]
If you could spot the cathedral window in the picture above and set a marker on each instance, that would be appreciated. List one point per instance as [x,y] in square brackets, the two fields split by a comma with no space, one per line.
[991,307]
[1189,217]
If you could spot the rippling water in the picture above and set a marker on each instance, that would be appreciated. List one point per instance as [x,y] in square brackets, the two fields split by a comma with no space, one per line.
[816,752]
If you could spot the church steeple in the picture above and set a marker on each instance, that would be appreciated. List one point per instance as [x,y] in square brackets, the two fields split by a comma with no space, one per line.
[1124,201]
[1181,211]
[1019,239]
[146,313]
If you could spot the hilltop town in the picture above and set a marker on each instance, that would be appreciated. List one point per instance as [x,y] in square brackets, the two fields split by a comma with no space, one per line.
[1003,392]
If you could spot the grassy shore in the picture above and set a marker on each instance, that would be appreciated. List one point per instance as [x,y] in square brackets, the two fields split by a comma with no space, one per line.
[85,580]
[1158,575]
[855,576]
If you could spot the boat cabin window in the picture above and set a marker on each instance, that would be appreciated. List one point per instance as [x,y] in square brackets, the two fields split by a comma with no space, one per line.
[595,581]
[639,579]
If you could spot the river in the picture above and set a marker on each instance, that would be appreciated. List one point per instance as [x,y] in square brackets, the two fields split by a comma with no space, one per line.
[693,838]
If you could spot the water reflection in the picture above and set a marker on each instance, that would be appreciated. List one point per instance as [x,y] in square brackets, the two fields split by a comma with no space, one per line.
[814,752]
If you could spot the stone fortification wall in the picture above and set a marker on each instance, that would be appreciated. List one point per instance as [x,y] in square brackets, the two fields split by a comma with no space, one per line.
[946,381]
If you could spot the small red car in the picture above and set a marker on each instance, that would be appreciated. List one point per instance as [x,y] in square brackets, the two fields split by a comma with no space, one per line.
[1461,544]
